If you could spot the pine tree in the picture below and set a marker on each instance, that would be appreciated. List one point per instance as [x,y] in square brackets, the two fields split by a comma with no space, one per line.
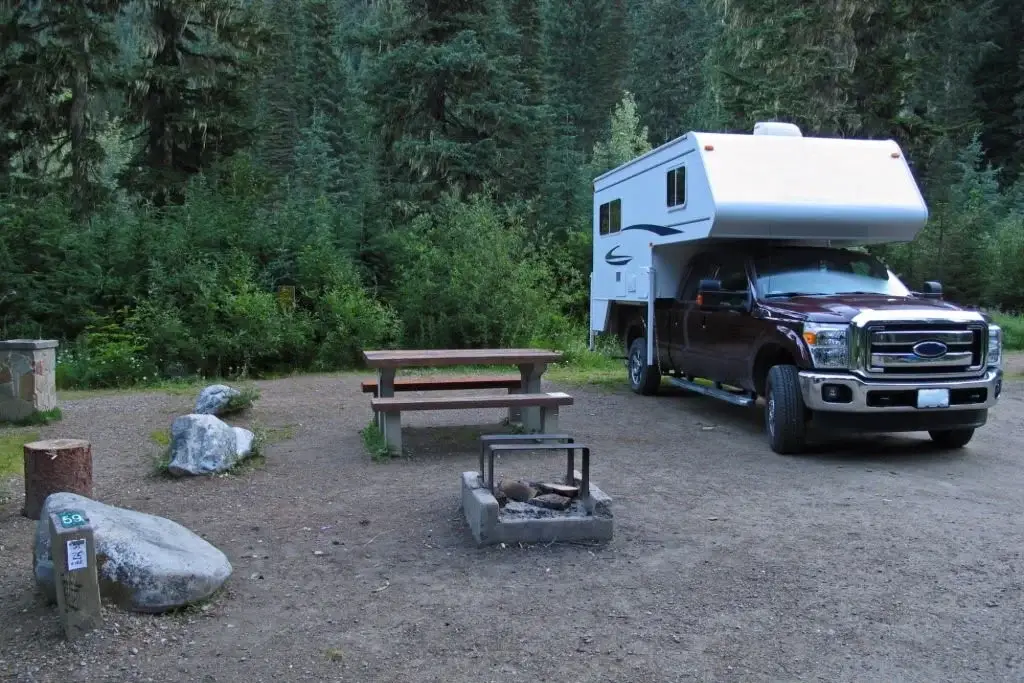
[670,40]
[585,57]
[191,93]
[627,139]
[56,59]
[282,108]
[449,106]
[999,84]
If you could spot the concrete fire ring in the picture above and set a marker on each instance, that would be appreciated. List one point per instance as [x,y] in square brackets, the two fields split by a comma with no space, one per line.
[525,523]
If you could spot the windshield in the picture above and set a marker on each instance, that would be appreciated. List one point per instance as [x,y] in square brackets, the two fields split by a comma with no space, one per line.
[802,271]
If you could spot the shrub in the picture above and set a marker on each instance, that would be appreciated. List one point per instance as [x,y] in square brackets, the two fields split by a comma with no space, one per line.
[469,277]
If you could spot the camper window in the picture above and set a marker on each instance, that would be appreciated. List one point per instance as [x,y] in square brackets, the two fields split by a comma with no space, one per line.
[676,186]
[611,217]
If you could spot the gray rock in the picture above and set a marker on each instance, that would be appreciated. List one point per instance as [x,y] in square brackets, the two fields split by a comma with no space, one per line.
[145,563]
[517,490]
[214,398]
[204,444]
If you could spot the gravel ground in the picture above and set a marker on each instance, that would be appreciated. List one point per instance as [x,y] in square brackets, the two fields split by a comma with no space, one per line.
[870,559]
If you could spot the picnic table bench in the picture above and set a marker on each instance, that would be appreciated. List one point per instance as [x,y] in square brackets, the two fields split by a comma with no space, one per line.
[539,410]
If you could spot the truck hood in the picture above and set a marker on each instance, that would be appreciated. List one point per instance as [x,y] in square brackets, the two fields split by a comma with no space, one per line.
[841,308]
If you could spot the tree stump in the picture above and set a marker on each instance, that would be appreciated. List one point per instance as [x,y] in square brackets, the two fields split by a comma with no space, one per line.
[55,465]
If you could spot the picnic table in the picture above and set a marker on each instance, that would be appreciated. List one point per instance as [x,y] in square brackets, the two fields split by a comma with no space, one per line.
[525,395]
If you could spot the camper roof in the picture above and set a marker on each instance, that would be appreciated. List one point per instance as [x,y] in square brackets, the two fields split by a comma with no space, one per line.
[779,184]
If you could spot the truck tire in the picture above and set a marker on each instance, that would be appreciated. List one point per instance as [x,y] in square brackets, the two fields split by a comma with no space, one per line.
[785,414]
[951,438]
[643,378]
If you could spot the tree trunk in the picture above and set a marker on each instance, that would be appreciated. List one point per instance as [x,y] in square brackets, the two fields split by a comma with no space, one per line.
[53,466]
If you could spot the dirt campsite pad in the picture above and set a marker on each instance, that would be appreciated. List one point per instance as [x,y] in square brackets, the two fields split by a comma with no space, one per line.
[874,559]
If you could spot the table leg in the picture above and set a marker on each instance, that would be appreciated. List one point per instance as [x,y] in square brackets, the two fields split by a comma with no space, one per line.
[515,414]
[531,374]
[385,389]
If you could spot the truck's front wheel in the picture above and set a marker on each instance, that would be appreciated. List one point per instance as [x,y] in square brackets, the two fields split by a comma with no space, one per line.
[643,378]
[951,438]
[785,414]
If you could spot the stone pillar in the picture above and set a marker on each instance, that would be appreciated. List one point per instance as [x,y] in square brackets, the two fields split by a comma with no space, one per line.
[28,380]
[55,466]
[73,548]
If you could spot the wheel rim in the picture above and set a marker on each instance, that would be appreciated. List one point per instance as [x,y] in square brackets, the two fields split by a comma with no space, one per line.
[635,367]
[771,415]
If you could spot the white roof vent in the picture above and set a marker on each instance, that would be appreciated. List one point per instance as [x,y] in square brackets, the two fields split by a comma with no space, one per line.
[789,130]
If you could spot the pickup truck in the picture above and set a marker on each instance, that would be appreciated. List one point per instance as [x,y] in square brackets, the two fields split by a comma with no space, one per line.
[827,337]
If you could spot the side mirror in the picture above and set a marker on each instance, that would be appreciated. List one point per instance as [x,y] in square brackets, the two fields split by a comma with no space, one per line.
[932,290]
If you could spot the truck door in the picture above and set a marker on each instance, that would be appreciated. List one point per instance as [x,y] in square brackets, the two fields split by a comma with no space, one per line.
[689,328]
[729,334]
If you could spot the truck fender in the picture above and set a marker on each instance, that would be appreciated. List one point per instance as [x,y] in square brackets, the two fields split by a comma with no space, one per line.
[775,343]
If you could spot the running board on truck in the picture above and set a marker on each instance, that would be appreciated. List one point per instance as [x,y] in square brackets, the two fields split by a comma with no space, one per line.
[743,399]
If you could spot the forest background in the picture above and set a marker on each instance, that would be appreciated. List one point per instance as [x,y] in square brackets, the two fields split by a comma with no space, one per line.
[236,188]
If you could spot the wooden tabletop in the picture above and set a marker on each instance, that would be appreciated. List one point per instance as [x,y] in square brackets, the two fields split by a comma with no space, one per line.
[439,357]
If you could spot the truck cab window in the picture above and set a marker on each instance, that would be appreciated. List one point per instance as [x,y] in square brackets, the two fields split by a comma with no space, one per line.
[733,275]
[701,268]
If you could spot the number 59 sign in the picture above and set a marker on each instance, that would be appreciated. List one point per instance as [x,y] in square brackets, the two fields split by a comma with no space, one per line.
[73,518]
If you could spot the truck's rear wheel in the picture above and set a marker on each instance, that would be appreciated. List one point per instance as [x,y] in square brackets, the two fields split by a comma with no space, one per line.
[785,413]
[951,438]
[643,378]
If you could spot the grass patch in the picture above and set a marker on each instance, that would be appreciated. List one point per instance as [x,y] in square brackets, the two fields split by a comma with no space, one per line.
[161,437]
[12,454]
[12,458]
[38,417]
[279,434]
[1013,330]
[242,401]
[375,443]
[188,386]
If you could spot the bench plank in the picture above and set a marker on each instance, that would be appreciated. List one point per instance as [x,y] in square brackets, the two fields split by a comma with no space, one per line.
[547,400]
[448,383]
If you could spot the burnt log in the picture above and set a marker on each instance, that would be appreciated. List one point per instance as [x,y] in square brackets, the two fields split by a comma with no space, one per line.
[53,466]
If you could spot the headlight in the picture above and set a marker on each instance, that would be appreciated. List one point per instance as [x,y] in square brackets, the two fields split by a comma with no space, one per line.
[829,345]
[995,346]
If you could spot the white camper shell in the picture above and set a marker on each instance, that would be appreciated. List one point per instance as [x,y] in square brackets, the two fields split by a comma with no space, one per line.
[652,212]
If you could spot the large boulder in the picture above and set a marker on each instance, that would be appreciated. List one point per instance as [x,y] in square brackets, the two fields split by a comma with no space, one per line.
[204,444]
[214,399]
[145,563]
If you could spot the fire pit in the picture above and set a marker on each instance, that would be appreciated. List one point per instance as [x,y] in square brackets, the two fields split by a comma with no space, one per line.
[568,507]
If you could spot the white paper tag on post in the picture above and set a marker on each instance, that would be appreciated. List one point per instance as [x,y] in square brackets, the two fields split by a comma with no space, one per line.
[77,558]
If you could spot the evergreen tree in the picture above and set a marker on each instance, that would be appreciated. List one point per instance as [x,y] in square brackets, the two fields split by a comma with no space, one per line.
[56,59]
[999,84]
[627,139]
[449,106]
[670,40]
[190,94]
[282,107]
[585,57]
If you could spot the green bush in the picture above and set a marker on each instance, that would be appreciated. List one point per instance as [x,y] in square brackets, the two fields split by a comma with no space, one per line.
[470,277]
[1013,331]
[106,356]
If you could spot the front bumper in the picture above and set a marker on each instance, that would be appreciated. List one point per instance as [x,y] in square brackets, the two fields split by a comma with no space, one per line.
[892,406]
[892,397]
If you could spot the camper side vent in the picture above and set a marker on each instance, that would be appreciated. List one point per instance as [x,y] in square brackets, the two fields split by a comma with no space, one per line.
[789,130]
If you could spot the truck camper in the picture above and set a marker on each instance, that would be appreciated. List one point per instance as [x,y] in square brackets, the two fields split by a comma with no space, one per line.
[732,265]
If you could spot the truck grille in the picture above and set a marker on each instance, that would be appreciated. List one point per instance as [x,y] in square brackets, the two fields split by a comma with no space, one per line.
[920,350]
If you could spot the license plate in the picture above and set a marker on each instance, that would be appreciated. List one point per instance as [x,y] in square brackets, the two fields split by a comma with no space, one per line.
[933,398]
